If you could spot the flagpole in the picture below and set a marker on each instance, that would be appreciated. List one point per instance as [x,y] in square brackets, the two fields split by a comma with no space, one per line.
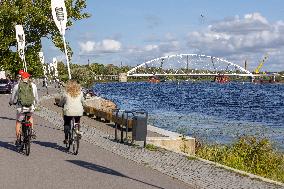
[25,64]
[67,59]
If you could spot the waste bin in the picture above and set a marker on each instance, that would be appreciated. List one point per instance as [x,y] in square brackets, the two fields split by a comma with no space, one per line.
[139,130]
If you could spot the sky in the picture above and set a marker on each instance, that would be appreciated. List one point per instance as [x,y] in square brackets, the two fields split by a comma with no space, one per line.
[130,32]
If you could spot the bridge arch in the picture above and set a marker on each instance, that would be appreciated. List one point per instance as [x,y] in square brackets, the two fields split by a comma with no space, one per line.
[188,64]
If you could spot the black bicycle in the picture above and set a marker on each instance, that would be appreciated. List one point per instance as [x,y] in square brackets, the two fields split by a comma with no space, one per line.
[74,137]
[26,135]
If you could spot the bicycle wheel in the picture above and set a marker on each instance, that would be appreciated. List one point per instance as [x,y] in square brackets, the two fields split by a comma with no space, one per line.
[21,148]
[70,136]
[75,142]
[23,138]
[28,141]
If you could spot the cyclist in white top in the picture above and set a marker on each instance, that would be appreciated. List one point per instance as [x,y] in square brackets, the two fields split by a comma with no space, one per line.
[72,101]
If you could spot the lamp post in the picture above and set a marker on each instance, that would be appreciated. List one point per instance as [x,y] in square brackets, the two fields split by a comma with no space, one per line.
[20,36]
[60,18]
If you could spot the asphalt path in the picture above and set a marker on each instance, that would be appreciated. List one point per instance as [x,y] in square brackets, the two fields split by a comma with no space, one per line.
[50,166]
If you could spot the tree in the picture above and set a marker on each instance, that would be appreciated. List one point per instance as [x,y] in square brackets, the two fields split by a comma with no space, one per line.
[62,71]
[37,21]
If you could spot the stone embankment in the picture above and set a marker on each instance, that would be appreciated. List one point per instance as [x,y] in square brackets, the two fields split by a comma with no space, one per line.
[99,107]
[101,104]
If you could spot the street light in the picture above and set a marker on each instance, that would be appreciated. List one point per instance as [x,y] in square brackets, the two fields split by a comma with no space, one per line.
[60,18]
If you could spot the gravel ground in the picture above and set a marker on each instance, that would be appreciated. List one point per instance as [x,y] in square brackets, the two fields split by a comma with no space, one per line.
[196,173]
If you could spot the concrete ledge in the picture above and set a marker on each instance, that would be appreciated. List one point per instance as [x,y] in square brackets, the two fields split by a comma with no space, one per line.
[164,132]
[185,145]
[172,141]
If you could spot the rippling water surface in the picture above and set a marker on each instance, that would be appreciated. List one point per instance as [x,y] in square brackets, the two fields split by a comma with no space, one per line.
[209,111]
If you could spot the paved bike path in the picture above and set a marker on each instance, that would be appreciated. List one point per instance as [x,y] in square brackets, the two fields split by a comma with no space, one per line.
[49,166]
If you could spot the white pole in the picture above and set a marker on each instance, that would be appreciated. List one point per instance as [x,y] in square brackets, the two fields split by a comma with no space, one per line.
[25,64]
[67,59]
[24,67]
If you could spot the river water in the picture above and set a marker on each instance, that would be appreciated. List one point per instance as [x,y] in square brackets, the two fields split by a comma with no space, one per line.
[211,112]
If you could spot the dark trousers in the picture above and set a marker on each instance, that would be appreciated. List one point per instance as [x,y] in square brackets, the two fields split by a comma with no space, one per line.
[67,123]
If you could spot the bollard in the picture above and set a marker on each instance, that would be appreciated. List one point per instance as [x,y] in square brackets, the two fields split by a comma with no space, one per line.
[115,112]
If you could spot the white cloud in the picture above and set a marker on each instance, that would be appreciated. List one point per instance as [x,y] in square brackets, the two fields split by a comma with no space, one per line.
[249,23]
[88,46]
[250,36]
[255,17]
[170,37]
[138,54]
[151,47]
[105,46]
[109,45]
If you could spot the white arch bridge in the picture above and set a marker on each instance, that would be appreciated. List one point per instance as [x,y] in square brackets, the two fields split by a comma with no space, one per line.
[188,65]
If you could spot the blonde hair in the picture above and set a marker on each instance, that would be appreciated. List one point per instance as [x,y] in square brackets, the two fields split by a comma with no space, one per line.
[73,88]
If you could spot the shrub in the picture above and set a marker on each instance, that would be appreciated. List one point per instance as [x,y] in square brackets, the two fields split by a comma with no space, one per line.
[249,154]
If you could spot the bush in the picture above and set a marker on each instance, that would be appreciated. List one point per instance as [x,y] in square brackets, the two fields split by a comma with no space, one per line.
[249,154]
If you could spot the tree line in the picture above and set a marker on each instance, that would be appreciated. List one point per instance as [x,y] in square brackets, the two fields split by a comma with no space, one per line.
[87,74]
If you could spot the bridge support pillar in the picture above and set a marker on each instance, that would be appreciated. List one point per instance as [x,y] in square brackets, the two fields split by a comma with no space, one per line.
[252,79]
[122,77]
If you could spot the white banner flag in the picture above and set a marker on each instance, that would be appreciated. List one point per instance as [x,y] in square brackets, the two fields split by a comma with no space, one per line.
[44,69]
[54,64]
[59,15]
[20,36]
[49,69]
[41,57]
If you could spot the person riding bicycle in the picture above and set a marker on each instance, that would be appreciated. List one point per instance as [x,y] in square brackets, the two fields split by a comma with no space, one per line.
[25,96]
[72,101]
